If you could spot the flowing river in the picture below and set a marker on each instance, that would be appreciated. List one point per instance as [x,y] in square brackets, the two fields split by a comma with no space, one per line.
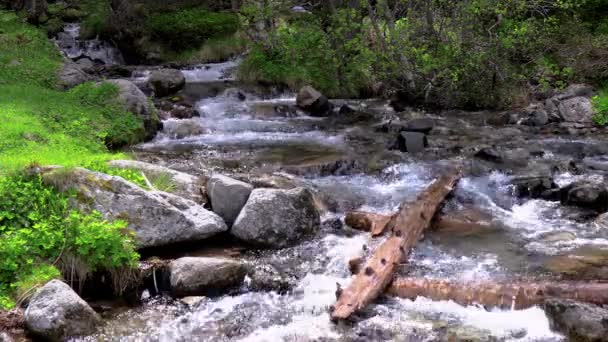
[259,135]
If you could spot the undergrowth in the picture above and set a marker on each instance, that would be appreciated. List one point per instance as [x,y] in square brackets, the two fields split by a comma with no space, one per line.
[600,105]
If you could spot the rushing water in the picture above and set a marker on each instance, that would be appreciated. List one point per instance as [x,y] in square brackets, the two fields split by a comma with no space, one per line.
[270,131]
[96,50]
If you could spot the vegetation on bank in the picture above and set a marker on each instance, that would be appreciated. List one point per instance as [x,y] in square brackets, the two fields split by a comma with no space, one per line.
[600,105]
[468,54]
[40,235]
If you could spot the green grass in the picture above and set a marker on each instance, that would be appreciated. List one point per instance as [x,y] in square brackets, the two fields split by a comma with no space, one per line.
[214,50]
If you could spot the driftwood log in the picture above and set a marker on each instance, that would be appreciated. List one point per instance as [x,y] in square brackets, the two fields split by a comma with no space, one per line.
[516,296]
[406,227]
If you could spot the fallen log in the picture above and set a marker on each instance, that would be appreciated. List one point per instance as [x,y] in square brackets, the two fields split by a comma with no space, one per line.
[515,296]
[368,222]
[407,227]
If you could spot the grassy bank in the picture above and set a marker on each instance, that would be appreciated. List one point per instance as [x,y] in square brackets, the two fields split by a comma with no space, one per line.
[40,235]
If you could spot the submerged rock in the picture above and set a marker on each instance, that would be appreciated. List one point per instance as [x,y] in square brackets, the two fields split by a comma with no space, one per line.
[204,276]
[180,183]
[277,218]
[56,312]
[167,82]
[578,321]
[158,218]
[312,101]
[136,102]
[228,196]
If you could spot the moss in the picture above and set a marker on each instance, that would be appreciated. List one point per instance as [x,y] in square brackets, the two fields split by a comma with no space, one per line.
[53,26]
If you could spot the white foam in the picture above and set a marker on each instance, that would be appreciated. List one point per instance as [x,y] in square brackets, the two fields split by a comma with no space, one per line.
[500,323]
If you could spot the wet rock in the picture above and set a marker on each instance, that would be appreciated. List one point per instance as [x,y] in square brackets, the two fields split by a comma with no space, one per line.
[228,196]
[412,142]
[277,218]
[490,154]
[158,218]
[204,276]
[578,321]
[182,184]
[180,129]
[422,125]
[536,115]
[503,119]
[558,237]
[535,187]
[167,82]
[12,325]
[575,90]
[86,65]
[183,112]
[71,75]
[576,109]
[56,312]
[265,277]
[586,195]
[136,102]
[312,101]
[346,110]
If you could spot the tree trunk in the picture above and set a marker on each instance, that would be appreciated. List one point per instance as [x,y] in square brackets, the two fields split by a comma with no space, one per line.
[517,296]
[407,228]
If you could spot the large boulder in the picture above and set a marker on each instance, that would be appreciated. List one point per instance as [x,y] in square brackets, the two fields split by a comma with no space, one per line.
[277,218]
[204,276]
[158,218]
[586,195]
[167,82]
[577,109]
[578,321]
[228,196]
[136,102]
[421,125]
[56,312]
[183,184]
[535,187]
[71,75]
[312,101]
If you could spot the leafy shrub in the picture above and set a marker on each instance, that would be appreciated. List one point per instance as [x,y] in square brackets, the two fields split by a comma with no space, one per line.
[600,105]
[191,27]
[38,229]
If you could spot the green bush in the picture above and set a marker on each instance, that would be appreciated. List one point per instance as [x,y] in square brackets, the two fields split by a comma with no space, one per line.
[38,229]
[189,28]
[600,105]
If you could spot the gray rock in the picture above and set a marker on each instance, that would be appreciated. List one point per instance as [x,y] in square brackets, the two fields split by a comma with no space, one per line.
[601,221]
[277,218]
[185,185]
[158,218]
[490,154]
[136,102]
[422,125]
[575,90]
[596,163]
[578,321]
[228,196]
[586,195]
[412,142]
[85,64]
[535,187]
[536,115]
[312,101]
[71,75]
[167,82]
[56,312]
[577,109]
[205,276]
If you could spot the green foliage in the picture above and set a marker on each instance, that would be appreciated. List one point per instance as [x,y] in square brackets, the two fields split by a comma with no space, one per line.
[163,182]
[96,21]
[132,175]
[600,105]
[188,28]
[214,50]
[38,228]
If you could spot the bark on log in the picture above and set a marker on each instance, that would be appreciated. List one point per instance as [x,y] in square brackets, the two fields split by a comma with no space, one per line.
[368,222]
[406,227]
[517,296]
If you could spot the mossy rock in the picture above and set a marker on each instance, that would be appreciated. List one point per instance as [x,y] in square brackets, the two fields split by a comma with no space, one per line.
[53,26]
[72,15]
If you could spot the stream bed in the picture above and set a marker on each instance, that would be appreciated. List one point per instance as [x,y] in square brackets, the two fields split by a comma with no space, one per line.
[262,137]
